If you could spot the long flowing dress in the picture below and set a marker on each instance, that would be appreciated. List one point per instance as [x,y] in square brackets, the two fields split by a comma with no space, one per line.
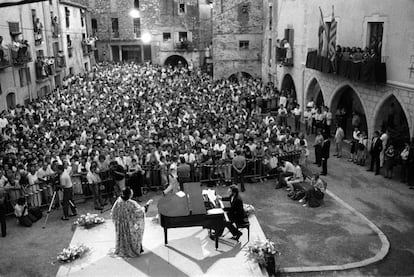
[129,219]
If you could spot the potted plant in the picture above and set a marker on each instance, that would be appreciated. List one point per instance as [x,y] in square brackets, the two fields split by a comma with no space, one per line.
[264,253]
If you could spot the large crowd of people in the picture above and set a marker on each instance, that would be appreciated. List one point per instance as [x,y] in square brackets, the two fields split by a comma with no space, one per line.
[136,118]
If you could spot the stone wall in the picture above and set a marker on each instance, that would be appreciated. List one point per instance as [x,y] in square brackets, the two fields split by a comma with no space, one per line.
[235,21]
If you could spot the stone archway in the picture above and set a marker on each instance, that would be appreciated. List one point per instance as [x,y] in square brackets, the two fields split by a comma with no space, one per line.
[176,61]
[346,105]
[11,100]
[238,76]
[314,93]
[288,87]
[392,117]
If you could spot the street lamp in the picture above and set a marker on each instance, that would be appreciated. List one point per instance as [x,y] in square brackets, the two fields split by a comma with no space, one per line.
[134,13]
[146,38]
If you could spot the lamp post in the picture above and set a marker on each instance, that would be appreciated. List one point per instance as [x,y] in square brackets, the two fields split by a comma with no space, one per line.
[145,37]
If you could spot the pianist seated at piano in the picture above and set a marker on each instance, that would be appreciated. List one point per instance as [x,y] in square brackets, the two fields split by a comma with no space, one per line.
[236,213]
[173,184]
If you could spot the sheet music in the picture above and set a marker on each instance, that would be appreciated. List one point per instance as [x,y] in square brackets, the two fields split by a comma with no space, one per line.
[211,195]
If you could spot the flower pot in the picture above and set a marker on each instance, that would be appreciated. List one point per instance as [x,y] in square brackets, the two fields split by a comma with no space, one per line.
[271,265]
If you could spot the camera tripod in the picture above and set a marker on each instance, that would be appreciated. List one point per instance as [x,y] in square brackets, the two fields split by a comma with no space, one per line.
[55,198]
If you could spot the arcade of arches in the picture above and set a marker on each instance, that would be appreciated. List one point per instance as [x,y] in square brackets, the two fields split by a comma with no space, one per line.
[11,100]
[346,105]
[348,111]
[238,76]
[314,93]
[176,60]
[288,86]
[391,116]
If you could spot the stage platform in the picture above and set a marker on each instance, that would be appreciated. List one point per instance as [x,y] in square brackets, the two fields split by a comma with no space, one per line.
[190,252]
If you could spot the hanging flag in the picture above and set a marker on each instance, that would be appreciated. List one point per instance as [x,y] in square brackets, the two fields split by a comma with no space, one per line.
[320,34]
[332,37]
[323,36]
[8,3]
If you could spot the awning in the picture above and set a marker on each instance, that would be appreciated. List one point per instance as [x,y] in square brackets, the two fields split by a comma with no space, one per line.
[8,3]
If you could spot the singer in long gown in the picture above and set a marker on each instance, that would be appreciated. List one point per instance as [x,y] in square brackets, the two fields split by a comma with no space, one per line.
[129,219]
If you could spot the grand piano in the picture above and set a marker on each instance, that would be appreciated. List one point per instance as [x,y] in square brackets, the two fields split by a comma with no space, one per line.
[188,208]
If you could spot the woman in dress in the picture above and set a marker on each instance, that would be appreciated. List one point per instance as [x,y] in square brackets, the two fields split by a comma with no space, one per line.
[129,219]
[389,157]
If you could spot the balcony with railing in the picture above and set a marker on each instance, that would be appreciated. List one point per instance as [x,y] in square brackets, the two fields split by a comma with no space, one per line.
[43,68]
[56,31]
[115,34]
[364,66]
[184,45]
[60,61]
[5,60]
[20,53]
[284,56]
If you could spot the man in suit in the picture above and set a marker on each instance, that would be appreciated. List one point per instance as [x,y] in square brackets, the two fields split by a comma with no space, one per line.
[235,212]
[326,144]
[239,164]
[375,151]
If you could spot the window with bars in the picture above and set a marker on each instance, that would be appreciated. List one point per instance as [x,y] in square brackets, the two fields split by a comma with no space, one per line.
[182,36]
[270,17]
[14,27]
[137,27]
[181,7]
[243,45]
[82,17]
[136,4]
[94,24]
[24,76]
[166,36]
[67,15]
[115,27]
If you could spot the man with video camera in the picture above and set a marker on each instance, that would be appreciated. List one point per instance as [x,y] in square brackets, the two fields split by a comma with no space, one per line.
[67,186]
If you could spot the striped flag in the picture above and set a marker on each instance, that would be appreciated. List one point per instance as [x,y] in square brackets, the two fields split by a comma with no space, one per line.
[323,36]
[332,38]
[321,30]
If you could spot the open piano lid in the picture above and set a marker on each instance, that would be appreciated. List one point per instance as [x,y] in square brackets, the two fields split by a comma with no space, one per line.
[191,203]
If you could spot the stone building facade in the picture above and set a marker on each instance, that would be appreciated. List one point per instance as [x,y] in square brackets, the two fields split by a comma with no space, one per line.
[237,38]
[380,105]
[173,27]
[73,22]
[32,63]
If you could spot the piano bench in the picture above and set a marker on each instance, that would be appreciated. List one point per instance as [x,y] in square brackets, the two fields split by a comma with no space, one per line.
[245,226]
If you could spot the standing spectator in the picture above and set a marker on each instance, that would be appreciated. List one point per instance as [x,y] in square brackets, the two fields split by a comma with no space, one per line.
[405,162]
[3,212]
[389,156]
[354,145]
[376,148]
[339,137]
[356,120]
[318,148]
[328,121]
[307,115]
[183,173]
[384,139]
[282,112]
[296,113]
[326,144]
[95,182]
[66,184]
[239,164]
[362,149]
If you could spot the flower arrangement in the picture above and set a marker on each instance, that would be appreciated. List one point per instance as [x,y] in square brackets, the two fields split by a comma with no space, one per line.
[249,209]
[72,253]
[260,251]
[89,220]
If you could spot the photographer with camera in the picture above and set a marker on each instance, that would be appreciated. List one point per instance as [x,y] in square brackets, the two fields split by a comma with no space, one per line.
[67,186]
